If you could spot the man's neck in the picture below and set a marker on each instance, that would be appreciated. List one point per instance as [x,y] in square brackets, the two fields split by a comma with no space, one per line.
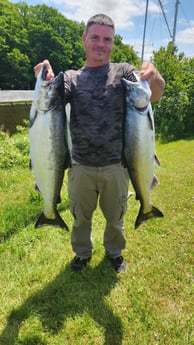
[96,63]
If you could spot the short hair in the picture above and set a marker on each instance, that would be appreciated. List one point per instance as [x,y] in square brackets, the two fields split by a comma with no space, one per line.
[101,19]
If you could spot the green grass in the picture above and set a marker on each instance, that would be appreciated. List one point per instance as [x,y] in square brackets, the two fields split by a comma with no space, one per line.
[43,303]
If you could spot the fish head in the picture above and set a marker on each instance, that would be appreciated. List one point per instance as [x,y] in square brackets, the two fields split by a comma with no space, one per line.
[138,93]
[48,92]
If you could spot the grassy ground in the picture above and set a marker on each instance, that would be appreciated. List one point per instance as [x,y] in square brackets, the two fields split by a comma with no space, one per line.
[43,303]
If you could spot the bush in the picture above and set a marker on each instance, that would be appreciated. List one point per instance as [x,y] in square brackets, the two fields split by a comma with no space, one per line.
[14,150]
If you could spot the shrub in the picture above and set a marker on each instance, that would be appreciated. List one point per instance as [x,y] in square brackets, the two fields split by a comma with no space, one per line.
[14,150]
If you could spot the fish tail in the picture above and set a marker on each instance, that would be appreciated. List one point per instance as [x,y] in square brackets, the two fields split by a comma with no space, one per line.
[142,217]
[57,222]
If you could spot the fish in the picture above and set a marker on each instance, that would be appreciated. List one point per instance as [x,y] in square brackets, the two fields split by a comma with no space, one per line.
[49,152]
[139,146]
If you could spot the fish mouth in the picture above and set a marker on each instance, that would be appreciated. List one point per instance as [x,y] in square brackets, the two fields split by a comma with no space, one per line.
[44,72]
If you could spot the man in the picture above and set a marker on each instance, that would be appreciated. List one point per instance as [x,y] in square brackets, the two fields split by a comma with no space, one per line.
[96,95]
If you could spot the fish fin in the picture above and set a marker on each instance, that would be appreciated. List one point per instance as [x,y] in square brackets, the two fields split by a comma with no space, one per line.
[33,115]
[37,189]
[130,194]
[142,217]
[155,182]
[156,160]
[151,121]
[57,222]
[44,72]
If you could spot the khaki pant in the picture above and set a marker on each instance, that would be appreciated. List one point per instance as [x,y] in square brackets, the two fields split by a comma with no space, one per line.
[86,185]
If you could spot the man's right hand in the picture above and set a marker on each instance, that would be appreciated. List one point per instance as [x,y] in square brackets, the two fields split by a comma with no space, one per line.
[37,68]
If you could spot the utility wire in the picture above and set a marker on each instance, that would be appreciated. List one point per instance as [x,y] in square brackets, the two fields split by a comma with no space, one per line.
[164,15]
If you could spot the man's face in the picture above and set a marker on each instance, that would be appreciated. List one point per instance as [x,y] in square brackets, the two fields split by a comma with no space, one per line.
[98,44]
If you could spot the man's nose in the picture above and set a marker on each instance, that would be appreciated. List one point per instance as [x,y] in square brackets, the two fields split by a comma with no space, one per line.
[101,42]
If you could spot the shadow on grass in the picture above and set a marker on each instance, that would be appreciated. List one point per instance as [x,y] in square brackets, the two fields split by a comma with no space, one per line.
[69,295]
[15,217]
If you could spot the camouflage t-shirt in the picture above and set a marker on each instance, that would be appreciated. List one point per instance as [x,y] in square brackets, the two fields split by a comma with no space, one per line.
[96,95]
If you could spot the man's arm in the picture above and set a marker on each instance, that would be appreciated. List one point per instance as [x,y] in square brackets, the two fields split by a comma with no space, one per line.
[157,84]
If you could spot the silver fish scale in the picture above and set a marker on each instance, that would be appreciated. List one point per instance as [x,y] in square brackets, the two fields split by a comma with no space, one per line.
[139,148]
[140,153]
[48,147]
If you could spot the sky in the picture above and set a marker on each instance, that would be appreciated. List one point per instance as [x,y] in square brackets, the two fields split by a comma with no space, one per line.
[129,17]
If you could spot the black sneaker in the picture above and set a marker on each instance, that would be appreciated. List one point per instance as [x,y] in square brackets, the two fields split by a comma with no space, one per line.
[78,263]
[119,264]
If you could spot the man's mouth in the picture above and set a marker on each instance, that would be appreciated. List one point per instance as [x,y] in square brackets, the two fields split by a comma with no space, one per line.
[100,51]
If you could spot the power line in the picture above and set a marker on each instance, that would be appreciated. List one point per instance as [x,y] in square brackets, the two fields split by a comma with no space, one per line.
[144,31]
[175,20]
[172,34]
[164,15]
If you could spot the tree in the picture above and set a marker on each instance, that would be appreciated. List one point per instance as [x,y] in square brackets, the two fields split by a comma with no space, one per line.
[172,111]
[52,36]
[189,111]
[124,53]
[15,64]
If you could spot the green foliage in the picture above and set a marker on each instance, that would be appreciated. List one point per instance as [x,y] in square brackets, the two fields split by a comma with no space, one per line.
[14,150]
[31,34]
[15,70]
[53,36]
[174,113]
[124,53]
[189,81]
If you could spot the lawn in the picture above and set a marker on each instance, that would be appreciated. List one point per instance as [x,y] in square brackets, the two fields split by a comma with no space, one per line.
[43,303]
